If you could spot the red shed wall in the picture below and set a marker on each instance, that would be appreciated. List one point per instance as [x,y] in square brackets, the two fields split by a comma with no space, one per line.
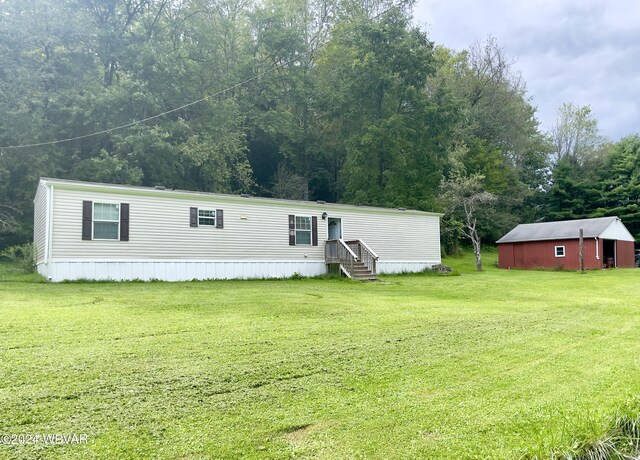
[626,254]
[505,255]
[535,254]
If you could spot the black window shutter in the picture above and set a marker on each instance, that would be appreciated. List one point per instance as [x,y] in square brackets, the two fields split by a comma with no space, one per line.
[87,219]
[219,218]
[193,217]
[124,221]
[314,230]
[292,230]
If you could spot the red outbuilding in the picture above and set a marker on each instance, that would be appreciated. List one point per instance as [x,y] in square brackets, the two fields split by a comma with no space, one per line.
[606,243]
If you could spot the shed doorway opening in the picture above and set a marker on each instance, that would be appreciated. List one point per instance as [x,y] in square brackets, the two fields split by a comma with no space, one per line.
[335,228]
[609,253]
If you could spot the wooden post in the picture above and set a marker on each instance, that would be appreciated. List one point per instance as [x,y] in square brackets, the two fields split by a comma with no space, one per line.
[581,250]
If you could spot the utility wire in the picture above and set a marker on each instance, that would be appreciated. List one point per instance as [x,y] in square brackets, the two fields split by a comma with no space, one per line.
[205,98]
[143,120]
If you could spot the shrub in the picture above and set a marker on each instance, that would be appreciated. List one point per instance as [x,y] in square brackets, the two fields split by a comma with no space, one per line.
[23,255]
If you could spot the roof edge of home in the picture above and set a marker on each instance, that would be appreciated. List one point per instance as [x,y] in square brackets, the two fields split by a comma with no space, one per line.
[71,184]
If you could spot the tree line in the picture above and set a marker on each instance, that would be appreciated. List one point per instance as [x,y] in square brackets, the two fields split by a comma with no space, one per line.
[335,100]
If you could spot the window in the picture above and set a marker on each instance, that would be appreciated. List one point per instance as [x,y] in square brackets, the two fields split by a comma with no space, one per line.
[106,221]
[559,251]
[303,230]
[206,217]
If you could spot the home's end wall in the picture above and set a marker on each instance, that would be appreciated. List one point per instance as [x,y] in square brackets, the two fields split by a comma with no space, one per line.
[40,223]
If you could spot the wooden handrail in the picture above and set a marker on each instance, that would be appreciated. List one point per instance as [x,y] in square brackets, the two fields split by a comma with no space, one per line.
[364,245]
[348,253]
[346,246]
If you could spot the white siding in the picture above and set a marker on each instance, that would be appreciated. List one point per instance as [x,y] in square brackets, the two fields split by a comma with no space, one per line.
[395,237]
[617,231]
[254,242]
[159,229]
[40,228]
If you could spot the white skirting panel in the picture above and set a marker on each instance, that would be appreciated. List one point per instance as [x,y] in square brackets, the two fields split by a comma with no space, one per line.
[186,270]
[404,266]
[176,270]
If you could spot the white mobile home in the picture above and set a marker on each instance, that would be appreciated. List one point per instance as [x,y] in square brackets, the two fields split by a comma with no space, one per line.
[97,231]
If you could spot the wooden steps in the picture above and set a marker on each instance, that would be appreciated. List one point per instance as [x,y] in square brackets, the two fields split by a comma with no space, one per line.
[360,272]
[355,259]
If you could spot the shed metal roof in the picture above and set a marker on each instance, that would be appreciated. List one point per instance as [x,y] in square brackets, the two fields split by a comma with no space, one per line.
[561,230]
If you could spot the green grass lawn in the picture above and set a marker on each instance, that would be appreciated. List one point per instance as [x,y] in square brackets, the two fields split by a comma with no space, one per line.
[500,364]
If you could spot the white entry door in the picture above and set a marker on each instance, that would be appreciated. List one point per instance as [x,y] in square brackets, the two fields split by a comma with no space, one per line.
[335,228]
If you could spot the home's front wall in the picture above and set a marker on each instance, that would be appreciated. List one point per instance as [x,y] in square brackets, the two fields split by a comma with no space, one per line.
[541,254]
[254,242]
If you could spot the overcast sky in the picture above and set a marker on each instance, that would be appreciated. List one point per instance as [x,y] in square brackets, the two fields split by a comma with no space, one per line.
[581,51]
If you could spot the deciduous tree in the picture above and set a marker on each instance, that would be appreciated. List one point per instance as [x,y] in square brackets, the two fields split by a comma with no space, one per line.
[465,199]
[575,134]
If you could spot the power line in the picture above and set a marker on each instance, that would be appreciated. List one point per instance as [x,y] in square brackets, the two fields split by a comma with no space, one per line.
[205,98]
[144,120]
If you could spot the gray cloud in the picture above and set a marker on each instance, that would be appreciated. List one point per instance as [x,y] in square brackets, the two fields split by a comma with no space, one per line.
[581,51]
